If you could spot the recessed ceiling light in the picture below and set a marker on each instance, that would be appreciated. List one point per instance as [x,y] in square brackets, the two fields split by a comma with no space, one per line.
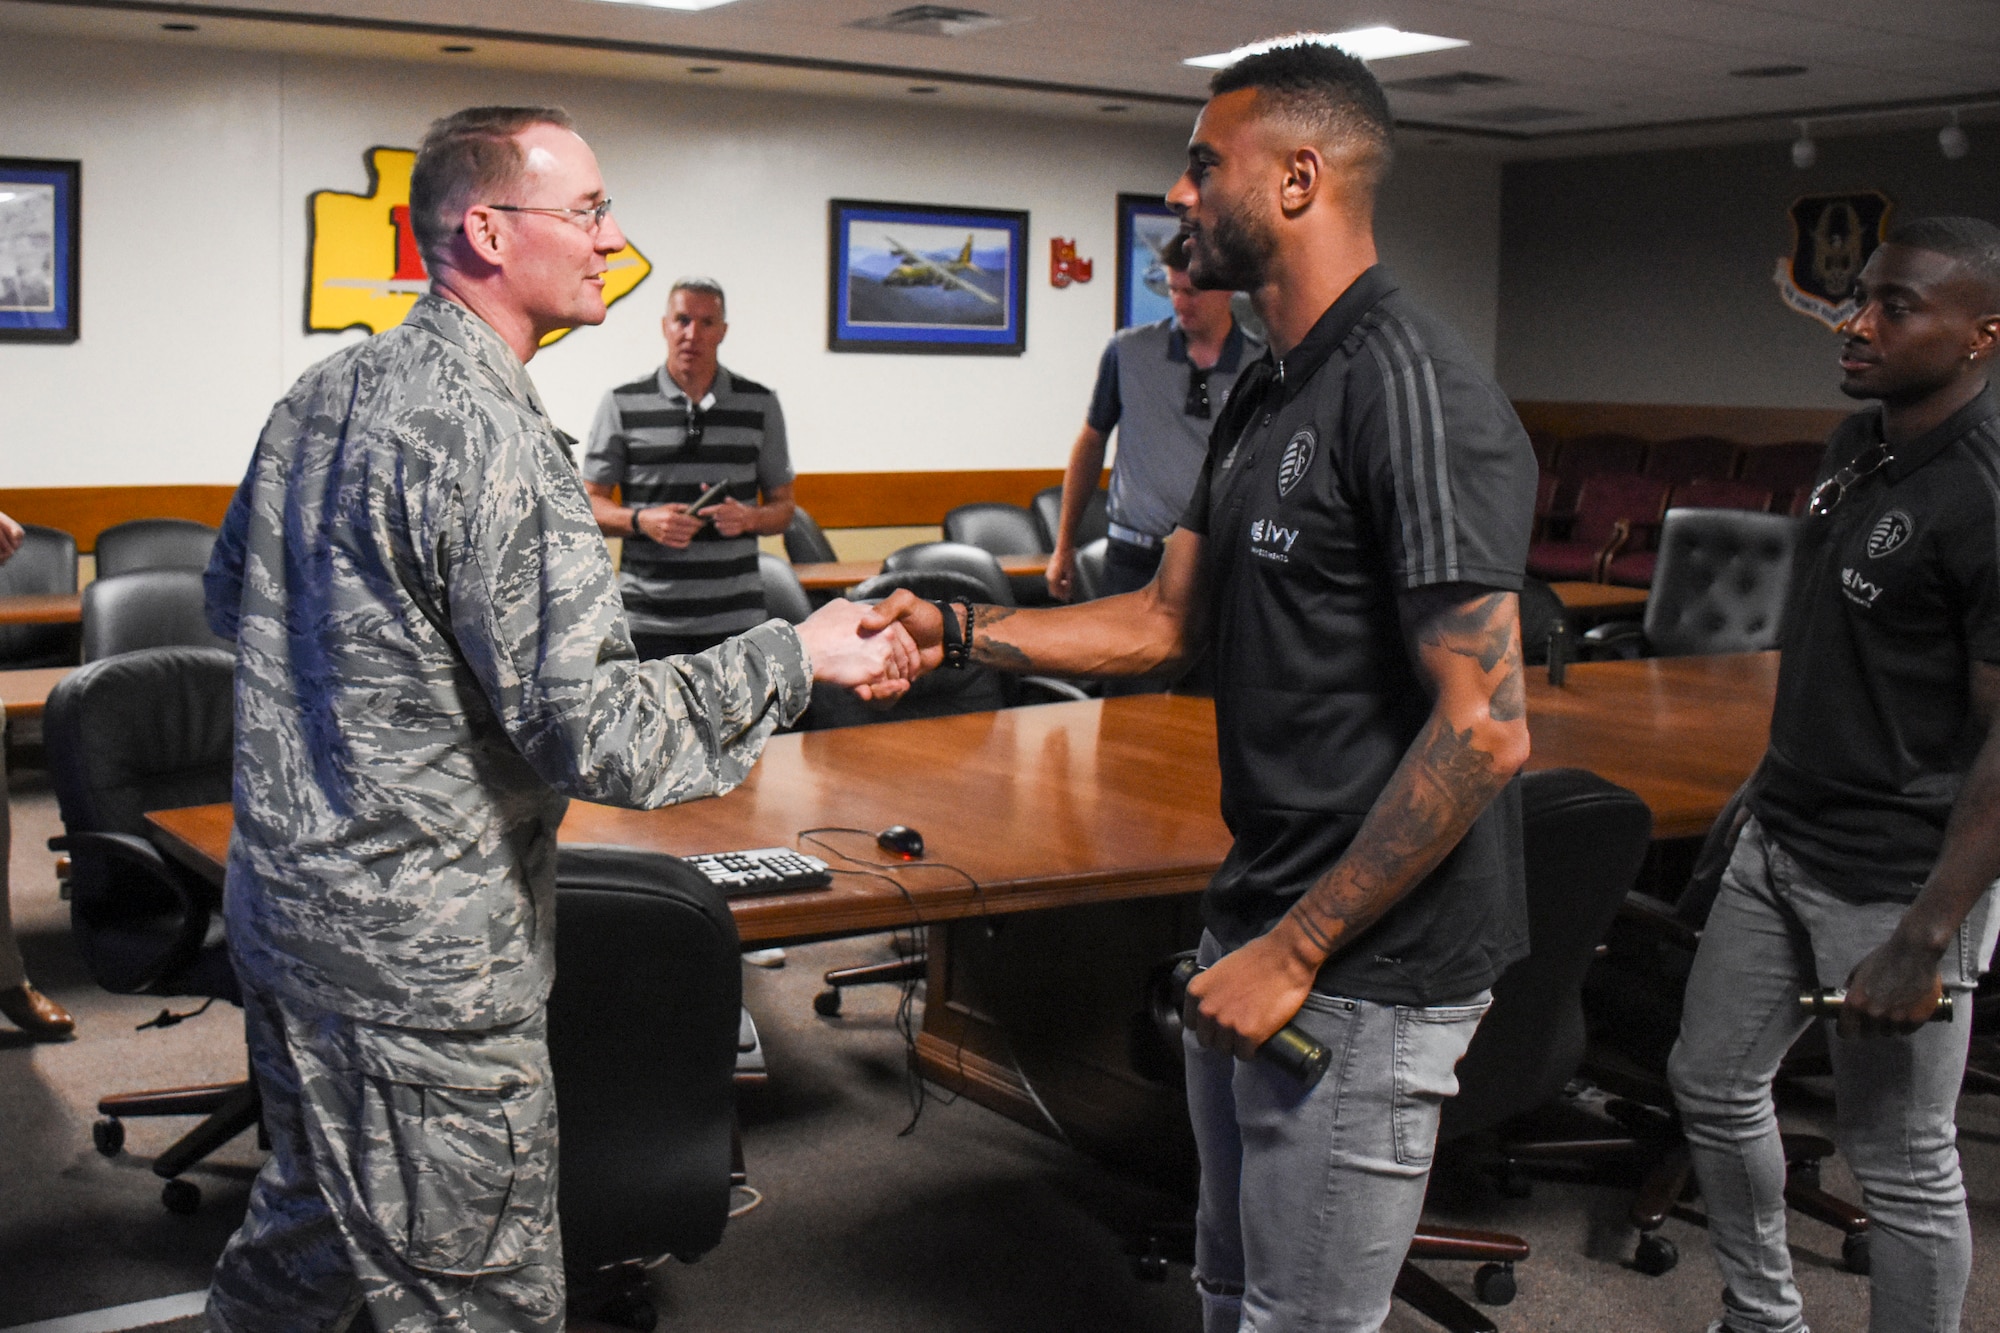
[923,89]
[671,4]
[1113,108]
[1378,43]
[180,27]
[1767,72]
[456,50]
[704,69]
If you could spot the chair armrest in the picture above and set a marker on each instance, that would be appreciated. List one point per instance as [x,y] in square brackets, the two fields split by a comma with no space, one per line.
[1614,640]
[1621,533]
[1657,919]
[1058,690]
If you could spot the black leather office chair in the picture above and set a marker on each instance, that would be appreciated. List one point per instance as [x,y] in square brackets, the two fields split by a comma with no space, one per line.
[154,543]
[805,544]
[783,596]
[1047,509]
[44,565]
[1719,587]
[155,608]
[1003,529]
[643,1036]
[1090,571]
[1632,1001]
[148,730]
[1541,612]
[957,558]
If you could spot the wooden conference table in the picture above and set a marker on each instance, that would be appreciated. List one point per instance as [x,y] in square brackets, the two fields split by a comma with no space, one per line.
[64,608]
[25,691]
[834,575]
[1088,828]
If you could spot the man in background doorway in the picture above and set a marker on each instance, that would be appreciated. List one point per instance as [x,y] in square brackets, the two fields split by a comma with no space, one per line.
[689,579]
[1162,385]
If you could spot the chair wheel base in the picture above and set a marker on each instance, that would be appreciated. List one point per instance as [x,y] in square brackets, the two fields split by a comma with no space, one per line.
[1493,1284]
[630,1310]
[108,1136]
[1854,1254]
[827,1003]
[181,1196]
[1656,1255]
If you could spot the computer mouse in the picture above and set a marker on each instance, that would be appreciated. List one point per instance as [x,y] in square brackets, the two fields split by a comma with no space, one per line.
[903,840]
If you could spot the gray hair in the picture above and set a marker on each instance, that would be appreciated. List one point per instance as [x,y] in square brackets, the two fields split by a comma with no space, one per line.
[706,286]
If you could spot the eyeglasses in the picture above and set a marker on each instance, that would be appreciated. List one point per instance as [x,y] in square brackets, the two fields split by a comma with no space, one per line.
[590,219]
[1197,393]
[1834,489]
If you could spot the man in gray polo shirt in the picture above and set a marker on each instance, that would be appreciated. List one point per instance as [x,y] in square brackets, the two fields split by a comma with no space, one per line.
[689,579]
[1160,385]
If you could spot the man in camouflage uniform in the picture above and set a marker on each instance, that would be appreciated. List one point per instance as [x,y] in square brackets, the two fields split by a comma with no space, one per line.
[432,659]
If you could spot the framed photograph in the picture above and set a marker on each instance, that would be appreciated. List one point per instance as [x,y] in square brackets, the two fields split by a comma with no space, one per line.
[920,278]
[40,252]
[1145,225]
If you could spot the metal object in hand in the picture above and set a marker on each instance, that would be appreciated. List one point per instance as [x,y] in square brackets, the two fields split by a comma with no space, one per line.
[1290,1049]
[1828,1004]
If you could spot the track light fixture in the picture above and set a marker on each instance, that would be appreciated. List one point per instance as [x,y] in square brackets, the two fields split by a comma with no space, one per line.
[1952,141]
[1804,151]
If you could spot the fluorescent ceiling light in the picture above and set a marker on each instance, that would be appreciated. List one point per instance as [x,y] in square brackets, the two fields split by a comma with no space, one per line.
[1380,43]
[671,4]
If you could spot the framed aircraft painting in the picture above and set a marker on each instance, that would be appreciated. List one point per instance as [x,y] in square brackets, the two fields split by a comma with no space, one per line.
[1145,225]
[922,278]
[40,247]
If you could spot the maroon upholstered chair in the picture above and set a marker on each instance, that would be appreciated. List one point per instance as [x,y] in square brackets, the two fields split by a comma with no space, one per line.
[1692,456]
[1786,470]
[1633,565]
[1595,455]
[1607,507]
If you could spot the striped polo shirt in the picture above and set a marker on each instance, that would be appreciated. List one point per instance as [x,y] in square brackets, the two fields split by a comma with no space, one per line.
[654,445]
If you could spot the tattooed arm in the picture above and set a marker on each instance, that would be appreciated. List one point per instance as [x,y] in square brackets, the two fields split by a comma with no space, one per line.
[1128,635]
[1466,643]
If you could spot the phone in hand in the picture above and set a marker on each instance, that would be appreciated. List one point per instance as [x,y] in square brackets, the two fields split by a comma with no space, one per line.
[707,498]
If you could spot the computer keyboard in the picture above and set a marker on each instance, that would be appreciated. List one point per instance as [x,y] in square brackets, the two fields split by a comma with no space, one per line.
[765,870]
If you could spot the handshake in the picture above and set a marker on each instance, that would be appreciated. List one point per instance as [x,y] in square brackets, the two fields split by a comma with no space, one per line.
[876,651]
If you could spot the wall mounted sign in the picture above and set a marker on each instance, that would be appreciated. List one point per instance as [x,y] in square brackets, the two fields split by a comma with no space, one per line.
[363,270]
[1145,225]
[41,207]
[1064,266]
[920,278]
[1832,237]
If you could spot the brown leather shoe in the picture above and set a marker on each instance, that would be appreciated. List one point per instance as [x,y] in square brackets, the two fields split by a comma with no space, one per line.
[35,1013]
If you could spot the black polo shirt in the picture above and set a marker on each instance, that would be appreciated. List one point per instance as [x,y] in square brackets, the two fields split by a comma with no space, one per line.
[1894,595]
[1377,458]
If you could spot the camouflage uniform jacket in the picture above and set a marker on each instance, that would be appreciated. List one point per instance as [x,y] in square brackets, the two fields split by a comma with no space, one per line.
[433,657]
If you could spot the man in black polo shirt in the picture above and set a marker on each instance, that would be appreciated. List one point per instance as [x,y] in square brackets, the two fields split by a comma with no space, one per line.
[1875,829]
[1352,548]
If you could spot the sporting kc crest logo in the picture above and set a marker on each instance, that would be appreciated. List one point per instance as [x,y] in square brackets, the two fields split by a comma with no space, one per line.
[1298,457]
[364,269]
[1889,533]
[1832,237]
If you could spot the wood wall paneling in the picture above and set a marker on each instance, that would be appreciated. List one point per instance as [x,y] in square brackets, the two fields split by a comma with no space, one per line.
[1669,421]
[85,511]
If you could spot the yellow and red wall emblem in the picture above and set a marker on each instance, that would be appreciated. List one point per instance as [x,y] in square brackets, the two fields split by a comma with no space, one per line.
[363,270]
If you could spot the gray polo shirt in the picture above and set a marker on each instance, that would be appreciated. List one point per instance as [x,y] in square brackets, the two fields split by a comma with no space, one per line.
[1142,389]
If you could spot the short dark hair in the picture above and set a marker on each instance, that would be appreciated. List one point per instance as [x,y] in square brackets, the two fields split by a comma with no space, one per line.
[1323,89]
[464,155]
[1973,242]
[706,286]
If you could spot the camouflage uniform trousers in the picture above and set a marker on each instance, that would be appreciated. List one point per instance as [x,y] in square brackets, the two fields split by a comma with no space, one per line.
[410,1171]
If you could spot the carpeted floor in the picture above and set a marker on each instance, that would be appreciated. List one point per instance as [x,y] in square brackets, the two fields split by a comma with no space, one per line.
[969,1224]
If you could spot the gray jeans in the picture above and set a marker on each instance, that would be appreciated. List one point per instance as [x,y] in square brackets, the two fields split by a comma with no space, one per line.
[1772,933]
[1309,1200]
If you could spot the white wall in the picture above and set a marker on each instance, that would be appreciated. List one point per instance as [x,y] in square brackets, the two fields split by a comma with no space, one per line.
[198,164]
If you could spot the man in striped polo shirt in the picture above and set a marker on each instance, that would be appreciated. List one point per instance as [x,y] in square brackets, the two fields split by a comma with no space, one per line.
[689,579]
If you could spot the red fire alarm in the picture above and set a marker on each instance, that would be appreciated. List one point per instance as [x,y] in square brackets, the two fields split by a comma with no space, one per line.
[1064,266]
